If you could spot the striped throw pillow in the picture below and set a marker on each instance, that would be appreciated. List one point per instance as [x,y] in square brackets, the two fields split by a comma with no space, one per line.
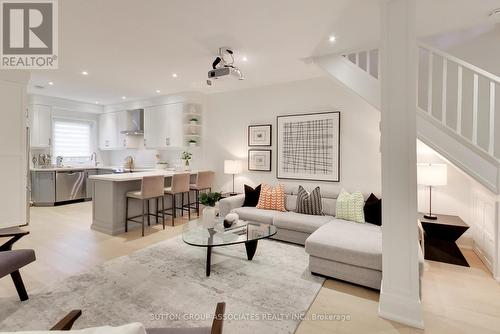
[350,206]
[309,203]
[272,198]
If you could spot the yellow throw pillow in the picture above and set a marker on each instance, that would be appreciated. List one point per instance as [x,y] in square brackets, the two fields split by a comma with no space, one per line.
[272,198]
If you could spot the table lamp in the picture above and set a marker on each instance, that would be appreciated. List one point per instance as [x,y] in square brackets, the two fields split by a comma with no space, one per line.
[432,175]
[233,167]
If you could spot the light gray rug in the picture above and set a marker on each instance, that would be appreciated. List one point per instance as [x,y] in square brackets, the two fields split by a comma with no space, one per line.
[165,285]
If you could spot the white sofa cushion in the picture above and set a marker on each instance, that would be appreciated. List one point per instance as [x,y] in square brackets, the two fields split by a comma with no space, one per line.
[257,215]
[348,242]
[132,328]
[300,222]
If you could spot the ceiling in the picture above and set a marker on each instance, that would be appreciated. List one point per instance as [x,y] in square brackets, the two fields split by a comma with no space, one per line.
[132,48]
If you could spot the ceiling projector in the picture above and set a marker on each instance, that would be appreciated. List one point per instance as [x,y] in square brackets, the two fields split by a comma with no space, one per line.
[224,68]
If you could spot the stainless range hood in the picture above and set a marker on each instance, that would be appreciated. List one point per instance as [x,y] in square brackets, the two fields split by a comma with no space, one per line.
[135,123]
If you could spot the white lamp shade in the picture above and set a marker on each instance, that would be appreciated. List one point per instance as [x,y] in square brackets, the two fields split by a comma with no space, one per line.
[432,174]
[233,167]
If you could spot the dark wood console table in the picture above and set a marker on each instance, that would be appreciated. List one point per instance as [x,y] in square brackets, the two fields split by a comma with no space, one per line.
[440,239]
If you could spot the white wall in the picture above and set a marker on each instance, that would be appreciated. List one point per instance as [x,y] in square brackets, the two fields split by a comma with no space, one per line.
[229,114]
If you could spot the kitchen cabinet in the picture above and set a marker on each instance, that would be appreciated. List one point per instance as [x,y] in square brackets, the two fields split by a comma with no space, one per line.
[43,188]
[163,126]
[108,131]
[110,127]
[89,184]
[40,124]
[122,123]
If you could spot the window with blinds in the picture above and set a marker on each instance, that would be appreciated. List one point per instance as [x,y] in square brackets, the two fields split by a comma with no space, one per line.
[71,138]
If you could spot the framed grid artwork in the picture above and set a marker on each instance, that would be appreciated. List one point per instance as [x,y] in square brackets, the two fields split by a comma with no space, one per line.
[259,160]
[260,135]
[309,146]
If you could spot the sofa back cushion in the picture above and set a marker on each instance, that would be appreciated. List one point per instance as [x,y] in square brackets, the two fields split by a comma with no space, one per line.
[309,203]
[272,198]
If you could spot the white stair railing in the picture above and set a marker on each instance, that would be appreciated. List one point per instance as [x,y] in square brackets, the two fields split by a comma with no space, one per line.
[461,96]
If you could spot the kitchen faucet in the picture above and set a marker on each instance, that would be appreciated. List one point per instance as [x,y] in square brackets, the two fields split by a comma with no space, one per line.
[93,157]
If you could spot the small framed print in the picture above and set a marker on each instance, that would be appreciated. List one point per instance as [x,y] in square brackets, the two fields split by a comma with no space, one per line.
[259,160]
[260,135]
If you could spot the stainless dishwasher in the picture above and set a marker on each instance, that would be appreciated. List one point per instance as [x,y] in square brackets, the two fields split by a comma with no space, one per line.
[70,185]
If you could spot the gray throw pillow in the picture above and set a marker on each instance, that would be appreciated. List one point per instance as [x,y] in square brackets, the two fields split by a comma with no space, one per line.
[309,203]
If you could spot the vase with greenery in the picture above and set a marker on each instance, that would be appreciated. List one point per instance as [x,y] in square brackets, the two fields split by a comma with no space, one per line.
[186,156]
[209,200]
[193,121]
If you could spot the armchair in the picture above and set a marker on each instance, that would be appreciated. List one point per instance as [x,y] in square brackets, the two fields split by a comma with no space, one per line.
[67,322]
[13,260]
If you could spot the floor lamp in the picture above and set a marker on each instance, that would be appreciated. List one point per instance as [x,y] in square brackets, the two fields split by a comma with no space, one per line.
[432,175]
[233,167]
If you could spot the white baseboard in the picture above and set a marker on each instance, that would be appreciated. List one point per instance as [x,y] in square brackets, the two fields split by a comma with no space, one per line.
[403,310]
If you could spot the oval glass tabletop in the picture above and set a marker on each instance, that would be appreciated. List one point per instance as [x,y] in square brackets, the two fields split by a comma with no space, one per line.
[196,234]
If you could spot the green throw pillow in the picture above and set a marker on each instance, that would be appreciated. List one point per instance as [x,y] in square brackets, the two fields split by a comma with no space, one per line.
[350,206]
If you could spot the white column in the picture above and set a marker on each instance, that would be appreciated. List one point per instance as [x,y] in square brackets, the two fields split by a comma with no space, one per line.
[399,295]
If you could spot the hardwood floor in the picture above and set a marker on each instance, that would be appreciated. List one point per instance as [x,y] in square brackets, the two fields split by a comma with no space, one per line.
[455,299]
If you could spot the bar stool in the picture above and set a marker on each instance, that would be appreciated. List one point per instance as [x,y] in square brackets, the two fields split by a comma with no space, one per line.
[152,187]
[204,181]
[180,185]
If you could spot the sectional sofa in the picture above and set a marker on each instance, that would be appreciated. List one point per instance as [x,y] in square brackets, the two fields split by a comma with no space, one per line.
[337,248]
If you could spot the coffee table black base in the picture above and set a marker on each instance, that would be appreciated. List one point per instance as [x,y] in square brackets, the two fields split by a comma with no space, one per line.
[251,247]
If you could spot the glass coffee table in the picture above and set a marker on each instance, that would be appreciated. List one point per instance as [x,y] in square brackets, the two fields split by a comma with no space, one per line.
[242,232]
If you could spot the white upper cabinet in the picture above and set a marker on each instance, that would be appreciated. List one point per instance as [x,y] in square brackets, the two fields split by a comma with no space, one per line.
[108,131]
[40,124]
[110,127]
[163,126]
[121,123]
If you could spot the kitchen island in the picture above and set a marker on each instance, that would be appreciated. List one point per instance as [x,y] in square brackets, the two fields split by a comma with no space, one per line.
[109,196]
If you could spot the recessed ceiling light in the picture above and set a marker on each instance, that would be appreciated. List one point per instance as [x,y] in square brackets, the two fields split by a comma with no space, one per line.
[85,73]
[124,97]
[51,83]
[332,39]
[158,91]
[96,102]
[244,58]
[174,75]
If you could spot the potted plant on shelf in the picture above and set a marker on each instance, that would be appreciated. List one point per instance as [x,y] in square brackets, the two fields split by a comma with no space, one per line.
[186,156]
[193,121]
[192,143]
[208,213]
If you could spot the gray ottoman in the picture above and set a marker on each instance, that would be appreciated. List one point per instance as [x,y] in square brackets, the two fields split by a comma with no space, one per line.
[347,251]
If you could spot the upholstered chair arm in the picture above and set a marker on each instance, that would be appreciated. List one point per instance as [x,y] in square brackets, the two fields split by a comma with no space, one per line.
[226,205]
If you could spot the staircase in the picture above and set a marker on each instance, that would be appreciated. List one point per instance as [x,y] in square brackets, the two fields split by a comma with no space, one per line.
[457,104]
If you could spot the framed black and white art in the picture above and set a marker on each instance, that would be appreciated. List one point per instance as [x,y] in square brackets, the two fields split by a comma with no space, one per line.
[309,146]
[260,135]
[259,160]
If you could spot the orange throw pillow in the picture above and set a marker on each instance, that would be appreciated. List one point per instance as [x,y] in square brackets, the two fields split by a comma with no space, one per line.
[272,198]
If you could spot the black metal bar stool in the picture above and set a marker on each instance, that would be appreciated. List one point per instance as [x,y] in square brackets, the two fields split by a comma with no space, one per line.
[204,181]
[180,185]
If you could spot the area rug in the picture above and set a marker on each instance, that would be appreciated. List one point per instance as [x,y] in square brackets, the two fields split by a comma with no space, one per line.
[165,285]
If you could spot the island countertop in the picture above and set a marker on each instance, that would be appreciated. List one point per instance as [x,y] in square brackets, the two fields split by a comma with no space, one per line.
[136,175]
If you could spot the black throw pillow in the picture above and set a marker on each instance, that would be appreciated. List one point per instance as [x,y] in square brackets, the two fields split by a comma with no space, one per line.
[251,196]
[373,210]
